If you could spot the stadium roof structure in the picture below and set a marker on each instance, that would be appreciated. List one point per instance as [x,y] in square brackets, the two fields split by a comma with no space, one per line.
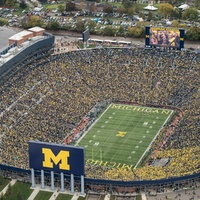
[20,35]
[36,29]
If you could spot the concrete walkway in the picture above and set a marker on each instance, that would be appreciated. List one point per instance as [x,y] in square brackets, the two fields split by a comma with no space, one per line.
[12,182]
[34,193]
[143,196]
[107,197]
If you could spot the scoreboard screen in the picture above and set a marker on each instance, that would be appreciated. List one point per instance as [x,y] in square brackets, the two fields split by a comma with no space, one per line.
[165,37]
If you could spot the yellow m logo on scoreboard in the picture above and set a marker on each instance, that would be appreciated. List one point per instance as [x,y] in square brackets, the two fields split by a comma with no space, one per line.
[50,159]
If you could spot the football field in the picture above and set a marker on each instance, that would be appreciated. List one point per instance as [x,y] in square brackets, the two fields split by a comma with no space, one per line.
[122,135]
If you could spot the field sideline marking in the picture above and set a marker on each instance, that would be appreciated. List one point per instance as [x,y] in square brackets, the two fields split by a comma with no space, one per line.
[92,125]
[152,141]
[138,106]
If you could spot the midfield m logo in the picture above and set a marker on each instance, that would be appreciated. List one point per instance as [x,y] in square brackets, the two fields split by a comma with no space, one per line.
[56,157]
[50,159]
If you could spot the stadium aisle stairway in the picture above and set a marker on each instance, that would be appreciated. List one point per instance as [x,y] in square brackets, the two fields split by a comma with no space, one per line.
[12,182]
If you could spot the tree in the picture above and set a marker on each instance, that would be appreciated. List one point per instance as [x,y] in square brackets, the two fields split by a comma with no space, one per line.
[121,10]
[2,2]
[150,15]
[175,23]
[92,8]
[120,31]
[3,22]
[91,25]
[190,14]
[138,8]
[166,9]
[108,8]
[11,3]
[130,11]
[80,26]
[22,4]
[108,31]
[81,5]
[61,8]
[193,33]
[176,2]
[126,4]
[34,21]
[136,31]
[54,26]
[197,4]
[70,6]
[35,3]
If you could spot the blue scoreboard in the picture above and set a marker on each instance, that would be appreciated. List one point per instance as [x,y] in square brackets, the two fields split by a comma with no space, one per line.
[56,157]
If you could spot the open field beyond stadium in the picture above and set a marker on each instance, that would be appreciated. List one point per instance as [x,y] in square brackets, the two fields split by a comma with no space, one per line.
[122,135]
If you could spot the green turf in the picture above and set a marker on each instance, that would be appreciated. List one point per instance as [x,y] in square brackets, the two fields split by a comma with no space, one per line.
[3,182]
[19,191]
[102,197]
[81,198]
[64,197]
[43,195]
[122,134]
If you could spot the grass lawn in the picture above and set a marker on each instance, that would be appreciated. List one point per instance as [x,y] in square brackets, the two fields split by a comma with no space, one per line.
[122,135]
[18,191]
[43,195]
[3,182]
[90,46]
[64,197]
[102,197]
[139,197]
[51,6]
[81,198]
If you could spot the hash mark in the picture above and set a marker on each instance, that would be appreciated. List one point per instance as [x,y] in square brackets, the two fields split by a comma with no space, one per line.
[137,147]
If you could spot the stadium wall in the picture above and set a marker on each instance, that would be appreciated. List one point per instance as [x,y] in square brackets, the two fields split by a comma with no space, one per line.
[139,183]
[47,44]
[37,47]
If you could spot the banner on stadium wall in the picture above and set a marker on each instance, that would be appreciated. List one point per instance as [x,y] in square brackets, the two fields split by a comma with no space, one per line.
[57,158]
[164,37]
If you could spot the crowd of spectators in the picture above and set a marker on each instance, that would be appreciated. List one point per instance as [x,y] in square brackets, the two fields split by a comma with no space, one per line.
[45,102]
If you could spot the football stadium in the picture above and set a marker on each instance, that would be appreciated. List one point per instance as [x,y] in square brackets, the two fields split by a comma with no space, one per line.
[109,120]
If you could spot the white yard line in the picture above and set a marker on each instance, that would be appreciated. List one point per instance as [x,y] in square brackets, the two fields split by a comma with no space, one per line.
[152,141]
[92,125]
